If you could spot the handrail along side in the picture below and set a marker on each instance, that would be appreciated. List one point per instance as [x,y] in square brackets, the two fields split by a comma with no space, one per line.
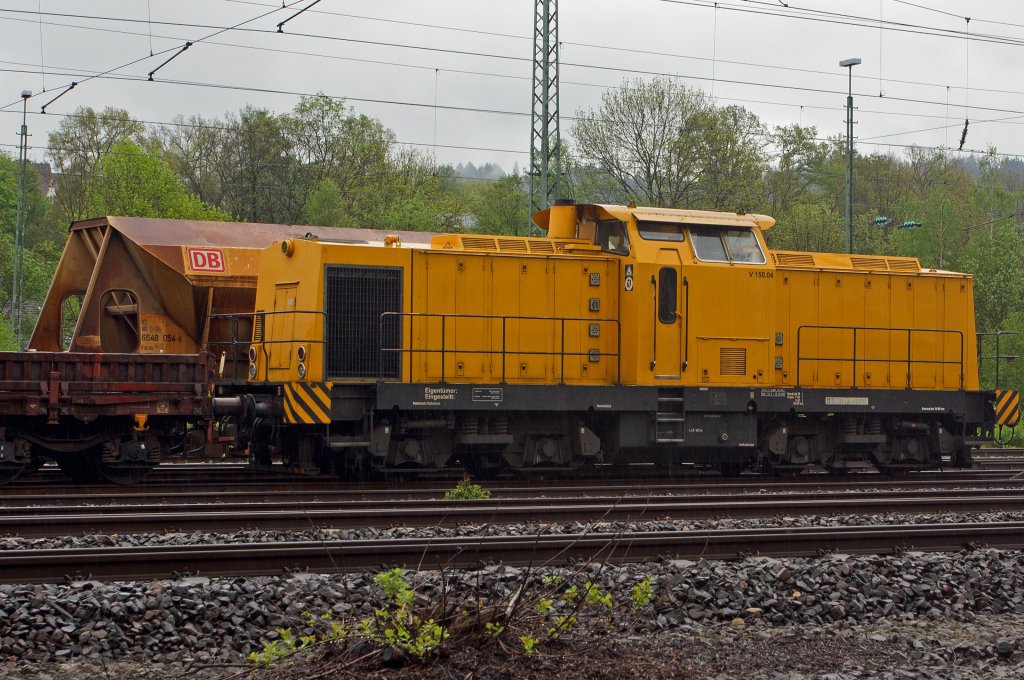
[503,351]
[863,330]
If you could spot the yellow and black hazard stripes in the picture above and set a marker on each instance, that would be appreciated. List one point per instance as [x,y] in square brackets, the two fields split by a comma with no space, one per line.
[307,403]
[1007,407]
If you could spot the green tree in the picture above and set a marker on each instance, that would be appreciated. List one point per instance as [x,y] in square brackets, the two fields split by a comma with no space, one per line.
[792,176]
[996,262]
[195,149]
[260,170]
[75,150]
[138,182]
[808,226]
[419,196]
[40,256]
[663,143]
[325,206]
[500,206]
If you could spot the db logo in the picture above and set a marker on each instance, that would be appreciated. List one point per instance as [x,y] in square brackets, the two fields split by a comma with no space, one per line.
[205,260]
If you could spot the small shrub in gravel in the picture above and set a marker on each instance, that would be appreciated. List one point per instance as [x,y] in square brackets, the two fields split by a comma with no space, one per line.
[467,490]
[414,620]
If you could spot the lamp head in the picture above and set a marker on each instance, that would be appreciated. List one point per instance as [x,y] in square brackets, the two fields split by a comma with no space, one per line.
[850,62]
[25,94]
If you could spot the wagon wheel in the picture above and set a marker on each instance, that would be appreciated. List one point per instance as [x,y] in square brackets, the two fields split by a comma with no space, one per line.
[87,467]
[10,471]
[117,467]
[15,458]
[124,474]
[82,467]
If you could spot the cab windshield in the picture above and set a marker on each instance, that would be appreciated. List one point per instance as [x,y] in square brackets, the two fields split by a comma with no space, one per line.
[714,244]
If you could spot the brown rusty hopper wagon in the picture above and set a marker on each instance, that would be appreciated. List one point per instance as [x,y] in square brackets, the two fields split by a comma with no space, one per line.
[116,365]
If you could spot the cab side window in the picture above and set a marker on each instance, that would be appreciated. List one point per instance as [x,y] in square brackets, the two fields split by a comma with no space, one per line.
[667,282]
[612,237]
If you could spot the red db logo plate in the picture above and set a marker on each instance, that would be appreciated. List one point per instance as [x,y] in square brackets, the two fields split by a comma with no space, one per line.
[205,260]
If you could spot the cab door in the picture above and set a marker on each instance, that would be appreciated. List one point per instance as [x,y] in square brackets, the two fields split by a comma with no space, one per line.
[281,327]
[668,317]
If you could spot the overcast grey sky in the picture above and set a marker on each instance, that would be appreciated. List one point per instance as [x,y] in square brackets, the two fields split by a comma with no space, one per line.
[453,76]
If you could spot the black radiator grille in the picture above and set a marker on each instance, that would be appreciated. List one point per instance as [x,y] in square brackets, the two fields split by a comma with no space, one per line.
[355,297]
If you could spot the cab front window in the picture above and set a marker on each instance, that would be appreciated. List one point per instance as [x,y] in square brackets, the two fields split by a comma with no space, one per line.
[737,246]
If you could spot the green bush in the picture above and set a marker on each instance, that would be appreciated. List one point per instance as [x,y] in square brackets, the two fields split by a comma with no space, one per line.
[467,490]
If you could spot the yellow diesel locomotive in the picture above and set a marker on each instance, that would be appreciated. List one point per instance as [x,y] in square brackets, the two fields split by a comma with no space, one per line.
[623,335]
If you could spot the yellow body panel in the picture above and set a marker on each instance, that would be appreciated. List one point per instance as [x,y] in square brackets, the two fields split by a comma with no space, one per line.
[483,309]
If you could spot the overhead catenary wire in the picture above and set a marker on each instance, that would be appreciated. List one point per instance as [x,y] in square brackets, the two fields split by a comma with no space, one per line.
[921,101]
[489,111]
[187,124]
[759,84]
[474,54]
[620,69]
[280,24]
[42,59]
[73,85]
[143,58]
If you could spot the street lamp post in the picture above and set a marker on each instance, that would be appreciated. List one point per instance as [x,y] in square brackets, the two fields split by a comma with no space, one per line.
[18,288]
[849,64]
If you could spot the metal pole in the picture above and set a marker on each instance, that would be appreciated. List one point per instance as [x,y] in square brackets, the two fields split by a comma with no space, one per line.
[849,164]
[848,64]
[18,293]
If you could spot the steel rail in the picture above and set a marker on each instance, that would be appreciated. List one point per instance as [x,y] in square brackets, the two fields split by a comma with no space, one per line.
[148,492]
[242,559]
[229,473]
[355,497]
[233,517]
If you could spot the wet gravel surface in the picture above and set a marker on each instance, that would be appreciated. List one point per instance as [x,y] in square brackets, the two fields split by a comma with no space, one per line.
[914,615]
[528,529]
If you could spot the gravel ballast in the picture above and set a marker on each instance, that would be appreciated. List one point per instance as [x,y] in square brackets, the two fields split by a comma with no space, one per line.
[929,613]
[528,529]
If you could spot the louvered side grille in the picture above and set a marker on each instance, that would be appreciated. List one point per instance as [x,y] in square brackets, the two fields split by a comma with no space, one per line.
[873,263]
[512,245]
[793,259]
[904,264]
[355,298]
[542,246]
[478,243]
[257,328]
[732,361]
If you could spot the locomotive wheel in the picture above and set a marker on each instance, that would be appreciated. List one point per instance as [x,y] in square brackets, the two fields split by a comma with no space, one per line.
[486,467]
[731,468]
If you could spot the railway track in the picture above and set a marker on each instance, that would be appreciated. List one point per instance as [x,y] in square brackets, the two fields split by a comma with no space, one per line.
[145,563]
[346,513]
[991,462]
[37,492]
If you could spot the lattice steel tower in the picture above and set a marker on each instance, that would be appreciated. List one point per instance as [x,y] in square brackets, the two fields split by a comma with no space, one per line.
[545,142]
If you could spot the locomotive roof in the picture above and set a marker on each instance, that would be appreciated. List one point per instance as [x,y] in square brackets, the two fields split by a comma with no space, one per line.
[651,214]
